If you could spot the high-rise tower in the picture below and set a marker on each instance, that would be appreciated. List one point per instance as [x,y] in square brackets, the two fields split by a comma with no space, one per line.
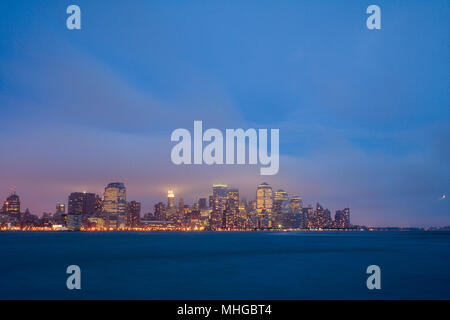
[12,205]
[114,204]
[264,198]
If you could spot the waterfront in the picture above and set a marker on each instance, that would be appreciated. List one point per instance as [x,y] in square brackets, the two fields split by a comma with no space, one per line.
[225,265]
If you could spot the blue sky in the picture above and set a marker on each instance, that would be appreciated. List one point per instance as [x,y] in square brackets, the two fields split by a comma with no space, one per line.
[363,115]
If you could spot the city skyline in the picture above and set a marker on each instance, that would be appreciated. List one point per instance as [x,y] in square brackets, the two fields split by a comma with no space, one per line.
[172,193]
[223,209]
[110,202]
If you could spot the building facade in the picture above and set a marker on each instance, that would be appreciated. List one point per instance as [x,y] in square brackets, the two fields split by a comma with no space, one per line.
[114,204]
[12,205]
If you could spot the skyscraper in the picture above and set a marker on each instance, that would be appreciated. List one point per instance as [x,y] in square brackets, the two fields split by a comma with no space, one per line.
[295,205]
[219,201]
[160,211]
[280,202]
[114,204]
[60,209]
[12,205]
[347,217]
[170,199]
[233,199]
[280,209]
[181,206]
[60,214]
[342,218]
[211,202]
[74,222]
[264,198]
[82,203]
[231,214]
[202,204]
[320,219]
[219,196]
[264,205]
[171,212]
[133,214]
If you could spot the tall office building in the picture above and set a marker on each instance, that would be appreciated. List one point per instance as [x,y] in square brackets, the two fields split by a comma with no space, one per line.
[280,195]
[202,204]
[59,217]
[231,218]
[342,218]
[233,199]
[114,204]
[211,202]
[308,216]
[73,222]
[81,206]
[160,211]
[82,203]
[264,198]
[295,204]
[320,219]
[264,205]
[181,205]
[12,205]
[133,215]
[280,209]
[170,199]
[219,196]
[280,202]
[60,209]
[219,202]
[171,211]
[347,217]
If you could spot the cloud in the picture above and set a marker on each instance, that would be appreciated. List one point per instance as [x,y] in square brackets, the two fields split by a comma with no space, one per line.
[65,85]
[71,122]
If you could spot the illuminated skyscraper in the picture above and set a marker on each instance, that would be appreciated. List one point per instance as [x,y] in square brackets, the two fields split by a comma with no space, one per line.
[114,204]
[233,199]
[60,209]
[82,203]
[342,218]
[308,216]
[181,205]
[280,202]
[295,205]
[202,204]
[171,212]
[264,205]
[347,216]
[73,222]
[12,205]
[231,214]
[219,201]
[280,208]
[280,195]
[133,214]
[160,211]
[211,202]
[264,198]
[320,219]
[170,199]
[219,196]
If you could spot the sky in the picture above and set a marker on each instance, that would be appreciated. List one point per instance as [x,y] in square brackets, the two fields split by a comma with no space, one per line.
[363,114]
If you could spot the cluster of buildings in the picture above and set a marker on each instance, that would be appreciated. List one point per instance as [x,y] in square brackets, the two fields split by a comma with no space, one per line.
[224,209]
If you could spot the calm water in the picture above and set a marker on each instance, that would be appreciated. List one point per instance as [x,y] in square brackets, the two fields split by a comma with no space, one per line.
[232,265]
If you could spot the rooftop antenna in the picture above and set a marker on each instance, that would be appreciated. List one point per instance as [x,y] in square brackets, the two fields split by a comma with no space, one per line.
[13,190]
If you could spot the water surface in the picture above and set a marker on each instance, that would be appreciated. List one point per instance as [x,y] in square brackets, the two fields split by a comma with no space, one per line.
[225,265]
